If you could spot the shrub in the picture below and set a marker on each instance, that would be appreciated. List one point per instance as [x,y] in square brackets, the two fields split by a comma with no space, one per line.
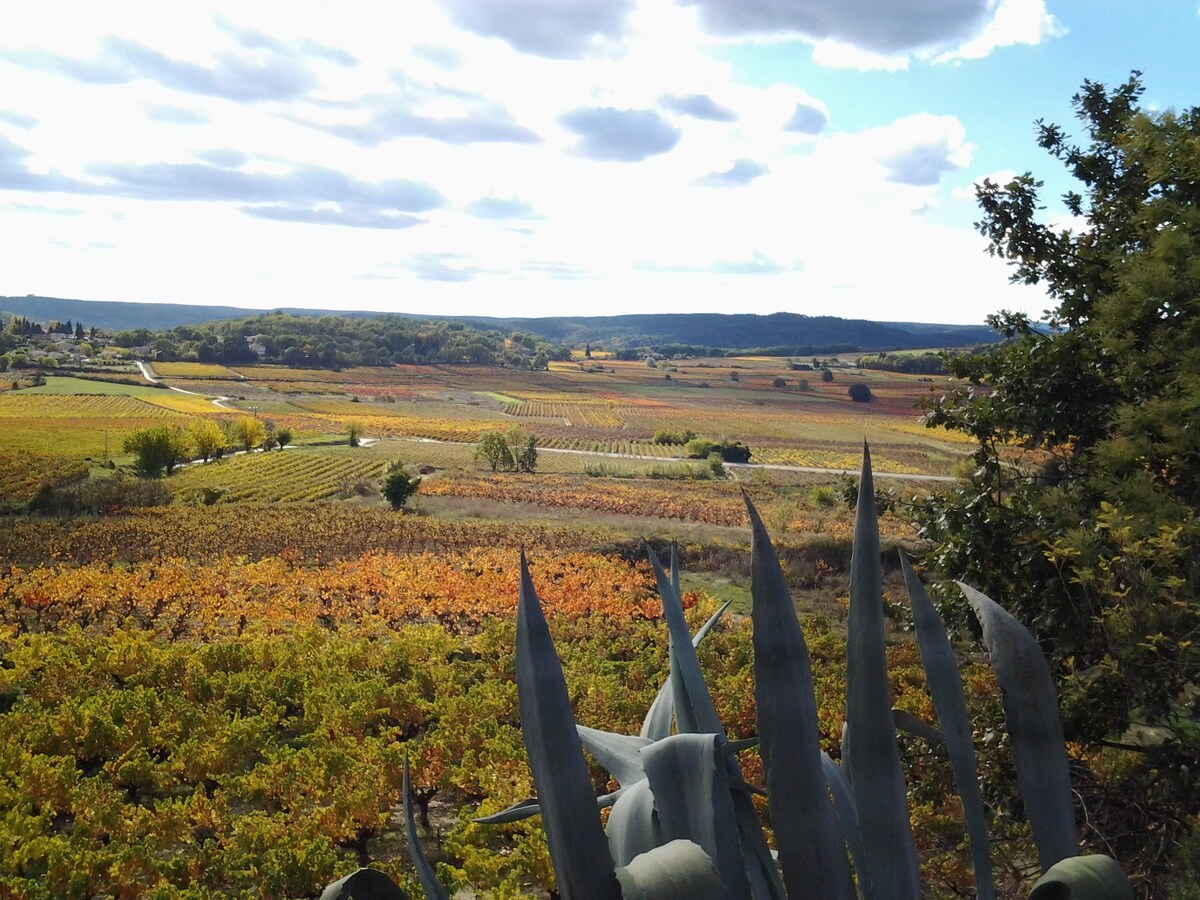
[860,393]
[398,485]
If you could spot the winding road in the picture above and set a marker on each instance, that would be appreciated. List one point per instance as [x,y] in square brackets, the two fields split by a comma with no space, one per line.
[219,402]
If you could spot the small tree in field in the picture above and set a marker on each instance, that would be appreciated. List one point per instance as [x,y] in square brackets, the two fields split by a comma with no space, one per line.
[523,448]
[354,431]
[157,449]
[860,393]
[283,437]
[208,438]
[398,485]
[248,432]
[493,449]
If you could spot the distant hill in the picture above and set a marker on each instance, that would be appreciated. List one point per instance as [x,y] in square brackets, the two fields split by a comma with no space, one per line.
[780,333]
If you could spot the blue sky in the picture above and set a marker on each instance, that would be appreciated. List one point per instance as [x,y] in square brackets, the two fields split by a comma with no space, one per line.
[547,157]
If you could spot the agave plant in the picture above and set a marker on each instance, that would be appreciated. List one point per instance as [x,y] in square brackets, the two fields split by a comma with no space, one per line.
[683,824]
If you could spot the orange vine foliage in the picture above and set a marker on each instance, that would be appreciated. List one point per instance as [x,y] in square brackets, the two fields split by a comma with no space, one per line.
[312,532]
[182,599]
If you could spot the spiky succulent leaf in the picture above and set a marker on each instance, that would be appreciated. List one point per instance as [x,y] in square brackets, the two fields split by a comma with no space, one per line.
[365,884]
[633,824]
[945,688]
[687,774]
[1031,711]
[619,754]
[578,847]
[699,715]
[429,883]
[812,856]
[916,726]
[871,754]
[1083,878]
[657,724]
[524,809]
[847,816]
[694,710]
[679,870]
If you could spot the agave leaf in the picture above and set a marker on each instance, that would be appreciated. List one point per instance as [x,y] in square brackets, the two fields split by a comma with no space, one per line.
[872,755]
[694,710]
[524,809]
[1083,878]
[813,859]
[657,724]
[674,569]
[847,816]
[429,882]
[740,784]
[679,870]
[578,847]
[619,754]
[687,774]
[365,884]
[695,713]
[745,744]
[633,824]
[1031,711]
[916,726]
[945,687]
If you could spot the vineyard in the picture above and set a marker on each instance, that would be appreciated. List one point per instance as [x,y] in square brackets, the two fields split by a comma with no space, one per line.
[214,697]
[264,759]
[310,532]
[295,476]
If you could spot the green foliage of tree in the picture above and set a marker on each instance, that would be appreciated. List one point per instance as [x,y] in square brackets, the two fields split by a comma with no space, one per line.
[676,438]
[157,449]
[283,436]
[728,451]
[860,392]
[1093,536]
[493,450]
[207,437]
[399,485]
[354,431]
[248,432]
[514,450]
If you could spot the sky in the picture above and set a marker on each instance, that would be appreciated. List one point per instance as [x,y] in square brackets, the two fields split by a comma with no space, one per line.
[548,157]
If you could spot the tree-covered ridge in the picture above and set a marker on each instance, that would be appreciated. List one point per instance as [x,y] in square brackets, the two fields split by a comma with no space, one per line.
[337,341]
[696,334]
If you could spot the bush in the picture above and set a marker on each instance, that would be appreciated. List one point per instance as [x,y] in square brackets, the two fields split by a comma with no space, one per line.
[99,496]
[514,451]
[860,393]
[729,451]
[398,485]
[674,438]
[157,448]
[826,376]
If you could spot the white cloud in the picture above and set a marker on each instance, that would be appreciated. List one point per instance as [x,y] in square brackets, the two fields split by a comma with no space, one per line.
[1015,22]
[370,180]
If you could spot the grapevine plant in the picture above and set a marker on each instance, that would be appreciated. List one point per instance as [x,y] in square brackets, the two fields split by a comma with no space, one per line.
[683,823]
